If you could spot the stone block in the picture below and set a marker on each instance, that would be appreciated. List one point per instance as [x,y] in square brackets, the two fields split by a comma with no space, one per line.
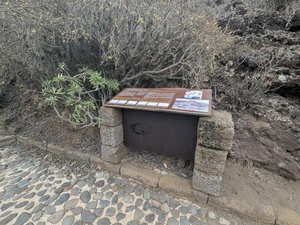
[175,184]
[210,184]
[112,136]
[210,161]
[113,154]
[144,175]
[98,163]
[216,131]
[287,216]
[111,116]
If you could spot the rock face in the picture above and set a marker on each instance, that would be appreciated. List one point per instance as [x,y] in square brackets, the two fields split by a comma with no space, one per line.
[271,139]
[267,38]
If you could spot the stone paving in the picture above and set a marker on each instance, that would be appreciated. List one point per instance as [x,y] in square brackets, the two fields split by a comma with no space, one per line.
[33,191]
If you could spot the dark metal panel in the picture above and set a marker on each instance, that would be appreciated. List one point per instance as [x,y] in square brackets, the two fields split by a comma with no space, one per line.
[164,133]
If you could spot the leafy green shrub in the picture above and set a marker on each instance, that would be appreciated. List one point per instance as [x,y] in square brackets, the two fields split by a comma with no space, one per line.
[79,95]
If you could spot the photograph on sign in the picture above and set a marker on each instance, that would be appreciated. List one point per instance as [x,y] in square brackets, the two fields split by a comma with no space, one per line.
[191,105]
[193,95]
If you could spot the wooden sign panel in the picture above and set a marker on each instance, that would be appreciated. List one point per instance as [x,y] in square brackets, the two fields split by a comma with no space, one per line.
[174,100]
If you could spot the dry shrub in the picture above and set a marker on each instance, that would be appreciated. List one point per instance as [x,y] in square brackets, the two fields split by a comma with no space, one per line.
[129,40]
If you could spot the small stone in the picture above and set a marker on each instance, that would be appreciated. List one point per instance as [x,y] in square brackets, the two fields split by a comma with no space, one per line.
[93,190]
[138,191]
[49,209]
[87,216]
[40,193]
[81,183]
[68,220]
[128,198]
[138,202]
[120,216]
[31,195]
[37,216]
[175,213]
[129,188]
[98,196]
[99,175]
[147,194]
[7,205]
[56,217]
[104,203]
[44,198]
[156,210]
[29,206]
[109,194]
[37,187]
[161,219]
[110,180]
[8,219]
[33,176]
[165,207]
[106,188]
[9,195]
[146,206]
[23,182]
[130,208]
[59,190]
[110,212]
[173,203]
[120,205]
[104,221]
[201,213]
[172,221]
[85,196]
[41,223]
[22,219]
[78,223]
[163,198]
[184,220]
[62,199]
[51,199]
[150,218]
[76,211]
[21,204]
[38,208]
[194,220]
[75,191]
[71,204]
[99,183]
[182,210]
[74,181]
[133,222]
[98,212]
[115,199]
[91,205]
[138,214]
[193,209]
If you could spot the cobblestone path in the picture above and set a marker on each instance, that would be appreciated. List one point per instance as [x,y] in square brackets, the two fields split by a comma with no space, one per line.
[35,191]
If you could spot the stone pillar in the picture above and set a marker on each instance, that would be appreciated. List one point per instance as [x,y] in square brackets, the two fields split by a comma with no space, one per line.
[112,148]
[215,138]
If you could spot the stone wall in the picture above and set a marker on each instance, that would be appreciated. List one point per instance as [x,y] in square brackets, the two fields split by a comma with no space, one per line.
[215,138]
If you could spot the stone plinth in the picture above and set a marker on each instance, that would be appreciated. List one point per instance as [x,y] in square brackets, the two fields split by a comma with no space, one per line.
[215,138]
[217,131]
[111,130]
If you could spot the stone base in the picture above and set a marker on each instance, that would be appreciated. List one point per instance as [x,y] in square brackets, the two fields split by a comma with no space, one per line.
[112,136]
[114,154]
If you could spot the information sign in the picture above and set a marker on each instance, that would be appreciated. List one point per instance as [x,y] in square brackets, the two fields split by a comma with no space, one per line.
[175,100]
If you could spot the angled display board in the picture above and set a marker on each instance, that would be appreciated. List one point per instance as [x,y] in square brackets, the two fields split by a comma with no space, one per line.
[172,100]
